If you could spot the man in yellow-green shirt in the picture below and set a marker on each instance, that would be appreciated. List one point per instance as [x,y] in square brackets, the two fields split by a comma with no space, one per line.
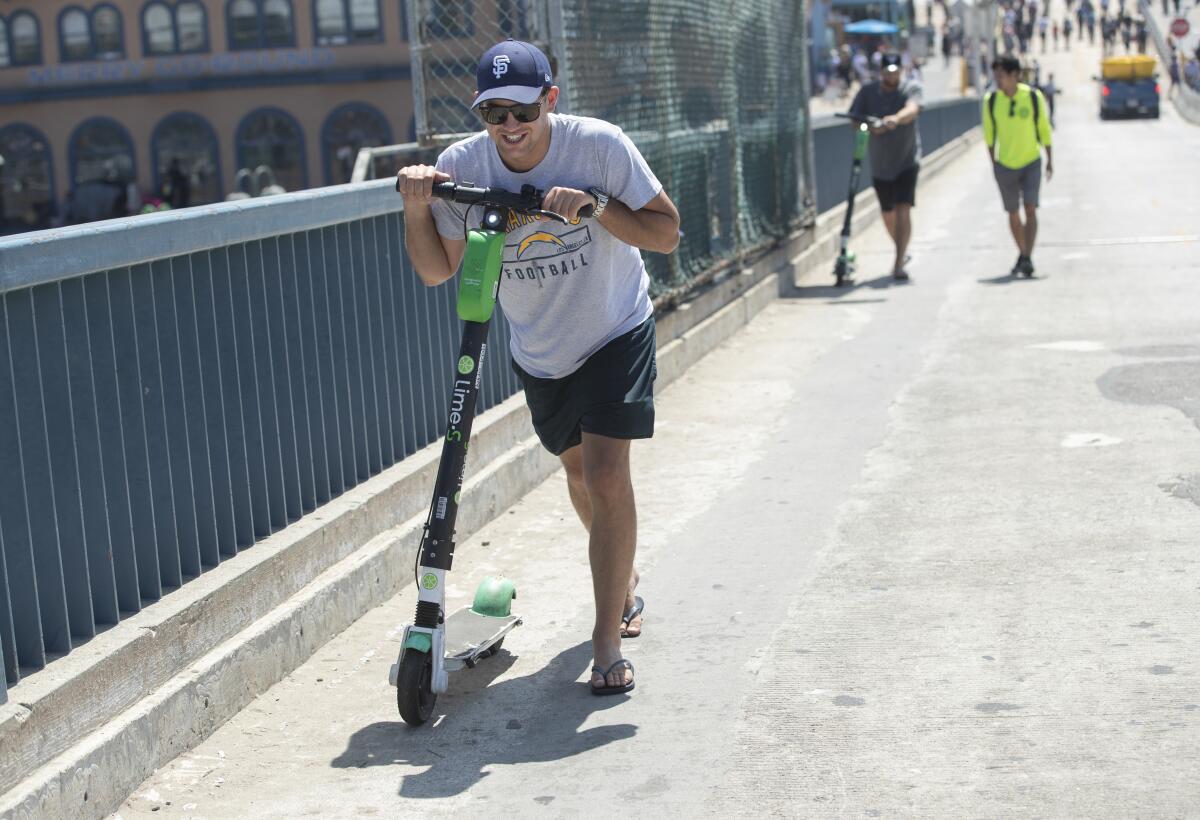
[1016,126]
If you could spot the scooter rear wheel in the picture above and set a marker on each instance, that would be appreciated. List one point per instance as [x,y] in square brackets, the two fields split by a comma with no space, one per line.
[414,687]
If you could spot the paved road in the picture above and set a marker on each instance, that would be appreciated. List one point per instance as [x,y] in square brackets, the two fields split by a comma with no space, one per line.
[922,551]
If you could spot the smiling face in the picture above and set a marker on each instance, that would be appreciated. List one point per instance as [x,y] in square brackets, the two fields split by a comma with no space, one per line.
[522,145]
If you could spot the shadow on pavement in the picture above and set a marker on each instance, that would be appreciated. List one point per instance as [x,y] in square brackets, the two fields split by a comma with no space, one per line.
[532,719]
[834,292]
[1008,279]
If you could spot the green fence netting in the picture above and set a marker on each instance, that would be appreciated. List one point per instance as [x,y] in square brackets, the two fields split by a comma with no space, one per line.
[713,94]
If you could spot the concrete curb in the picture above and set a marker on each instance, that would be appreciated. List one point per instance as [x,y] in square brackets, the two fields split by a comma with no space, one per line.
[123,700]
[80,737]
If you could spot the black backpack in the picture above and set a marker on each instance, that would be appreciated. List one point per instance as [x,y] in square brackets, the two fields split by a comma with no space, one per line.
[1033,93]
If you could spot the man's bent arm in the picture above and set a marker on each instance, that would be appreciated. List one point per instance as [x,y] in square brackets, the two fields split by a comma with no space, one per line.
[653,228]
[908,113]
[434,257]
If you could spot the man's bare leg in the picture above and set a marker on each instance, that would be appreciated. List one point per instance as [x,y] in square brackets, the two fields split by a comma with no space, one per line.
[901,234]
[889,222]
[611,546]
[1018,231]
[1031,228]
[572,461]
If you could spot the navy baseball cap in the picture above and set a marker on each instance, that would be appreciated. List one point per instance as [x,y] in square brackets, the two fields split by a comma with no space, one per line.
[891,62]
[512,70]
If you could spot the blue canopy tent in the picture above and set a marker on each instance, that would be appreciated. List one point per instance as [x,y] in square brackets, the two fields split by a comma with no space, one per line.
[878,27]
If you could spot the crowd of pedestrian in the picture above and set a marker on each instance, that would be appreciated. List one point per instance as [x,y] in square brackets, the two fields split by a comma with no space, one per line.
[853,65]
[1183,66]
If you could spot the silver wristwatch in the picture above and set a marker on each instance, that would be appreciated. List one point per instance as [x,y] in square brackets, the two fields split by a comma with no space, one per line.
[601,201]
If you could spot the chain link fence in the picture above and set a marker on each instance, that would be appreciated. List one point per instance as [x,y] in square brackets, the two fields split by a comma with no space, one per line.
[713,94]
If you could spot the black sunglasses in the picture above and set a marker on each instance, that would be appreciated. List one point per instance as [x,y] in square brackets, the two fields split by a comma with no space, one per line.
[1012,107]
[524,112]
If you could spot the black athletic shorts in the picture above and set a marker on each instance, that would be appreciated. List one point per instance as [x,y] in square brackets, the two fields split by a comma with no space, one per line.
[611,394]
[899,191]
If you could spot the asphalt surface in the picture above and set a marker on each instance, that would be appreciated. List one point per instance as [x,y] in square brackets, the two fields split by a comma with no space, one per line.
[920,551]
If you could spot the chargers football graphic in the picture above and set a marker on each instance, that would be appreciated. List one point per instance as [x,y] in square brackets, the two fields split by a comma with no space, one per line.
[543,256]
[543,245]
[540,236]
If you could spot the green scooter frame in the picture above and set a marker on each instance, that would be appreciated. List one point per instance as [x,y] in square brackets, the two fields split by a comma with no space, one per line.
[843,268]
[435,645]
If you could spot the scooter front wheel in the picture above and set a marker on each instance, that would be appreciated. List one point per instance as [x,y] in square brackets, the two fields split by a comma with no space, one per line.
[414,687]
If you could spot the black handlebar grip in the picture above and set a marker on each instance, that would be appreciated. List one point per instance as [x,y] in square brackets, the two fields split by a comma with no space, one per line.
[444,190]
[586,211]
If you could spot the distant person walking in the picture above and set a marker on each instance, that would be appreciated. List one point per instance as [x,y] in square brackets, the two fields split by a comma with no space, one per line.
[1049,91]
[895,150]
[1016,126]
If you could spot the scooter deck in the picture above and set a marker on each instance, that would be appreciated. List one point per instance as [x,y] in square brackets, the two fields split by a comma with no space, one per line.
[469,635]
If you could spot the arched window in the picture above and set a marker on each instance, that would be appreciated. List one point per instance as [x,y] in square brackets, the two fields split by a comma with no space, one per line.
[260,24]
[349,128]
[101,150]
[331,22]
[185,160]
[26,39]
[277,23]
[26,180]
[364,20]
[191,24]
[180,30]
[243,24]
[347,21]
[271,137]
[75,34]
[107,38]
[158,28]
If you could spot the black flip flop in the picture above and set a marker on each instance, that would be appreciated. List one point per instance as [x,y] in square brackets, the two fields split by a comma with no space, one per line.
[611,690]
[630,614]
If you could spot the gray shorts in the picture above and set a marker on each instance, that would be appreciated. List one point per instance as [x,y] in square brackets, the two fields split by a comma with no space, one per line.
[1019,183]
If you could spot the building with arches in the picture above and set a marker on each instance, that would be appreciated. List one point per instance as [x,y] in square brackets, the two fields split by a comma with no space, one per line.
[104,102]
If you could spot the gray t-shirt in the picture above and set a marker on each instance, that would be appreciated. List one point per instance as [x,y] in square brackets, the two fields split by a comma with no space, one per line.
[896,151]
[566,290]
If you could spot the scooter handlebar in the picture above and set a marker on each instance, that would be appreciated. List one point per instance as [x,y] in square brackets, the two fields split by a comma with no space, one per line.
[872,122]
[528,201]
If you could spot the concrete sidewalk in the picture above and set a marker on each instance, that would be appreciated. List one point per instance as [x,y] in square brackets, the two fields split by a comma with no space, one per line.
[924,551]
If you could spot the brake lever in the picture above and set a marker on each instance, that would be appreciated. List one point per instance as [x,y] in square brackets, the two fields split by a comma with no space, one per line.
[549,215]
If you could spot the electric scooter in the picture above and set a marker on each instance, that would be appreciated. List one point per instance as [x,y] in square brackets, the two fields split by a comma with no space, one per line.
[843,268]
[435,645]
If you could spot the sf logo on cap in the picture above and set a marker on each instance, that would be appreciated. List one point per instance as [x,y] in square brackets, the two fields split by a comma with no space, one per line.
[500,65]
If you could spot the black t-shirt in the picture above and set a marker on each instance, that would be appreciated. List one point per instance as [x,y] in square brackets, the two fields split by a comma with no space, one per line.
[894,152]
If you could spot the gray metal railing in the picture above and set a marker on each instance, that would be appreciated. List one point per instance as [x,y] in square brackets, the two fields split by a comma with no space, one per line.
[833,143]
[174,387]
